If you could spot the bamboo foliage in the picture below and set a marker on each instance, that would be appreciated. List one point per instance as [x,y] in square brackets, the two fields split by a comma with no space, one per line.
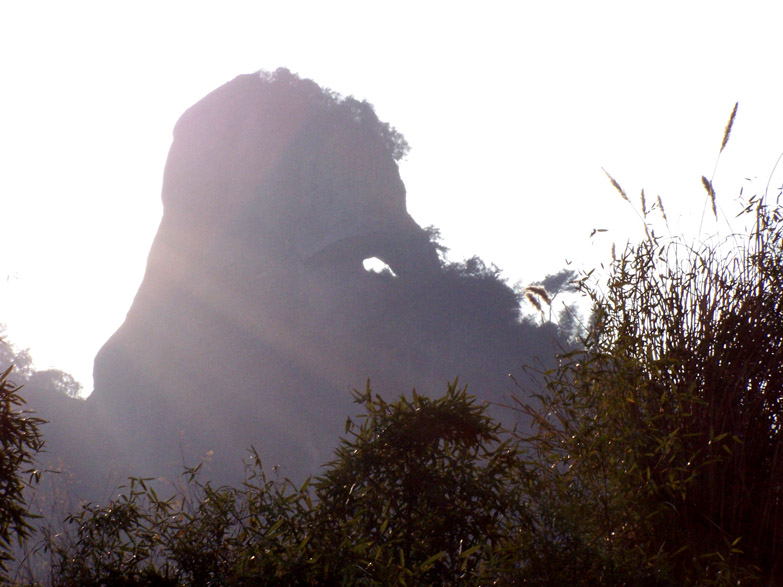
[660,442]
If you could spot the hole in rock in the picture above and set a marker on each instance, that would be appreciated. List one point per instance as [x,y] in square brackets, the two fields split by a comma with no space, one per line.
[375,265]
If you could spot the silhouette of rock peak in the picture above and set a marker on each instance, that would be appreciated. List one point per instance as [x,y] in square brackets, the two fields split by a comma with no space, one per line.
[256,317]
[277,154]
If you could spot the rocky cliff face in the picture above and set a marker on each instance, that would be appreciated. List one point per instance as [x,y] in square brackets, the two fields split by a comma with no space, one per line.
[256,317]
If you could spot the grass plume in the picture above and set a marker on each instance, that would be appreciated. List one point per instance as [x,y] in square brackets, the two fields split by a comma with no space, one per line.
[616,185]
[534,301]
[707,183]
[540,291]
[727,132]
[663,212]
[711,191]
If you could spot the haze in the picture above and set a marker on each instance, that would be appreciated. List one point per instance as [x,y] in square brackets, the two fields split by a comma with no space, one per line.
[511,110]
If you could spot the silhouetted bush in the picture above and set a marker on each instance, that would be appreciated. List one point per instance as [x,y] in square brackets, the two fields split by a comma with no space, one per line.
[20,441]
[421,491]
[658,445]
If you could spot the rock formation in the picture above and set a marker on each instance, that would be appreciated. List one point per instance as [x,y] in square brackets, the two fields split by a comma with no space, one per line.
[256,317]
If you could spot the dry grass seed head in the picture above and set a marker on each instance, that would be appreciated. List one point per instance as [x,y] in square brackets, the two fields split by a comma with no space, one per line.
[616,185]
[533,300]
[711,191]
[539,291]
[727,132]
[663,212]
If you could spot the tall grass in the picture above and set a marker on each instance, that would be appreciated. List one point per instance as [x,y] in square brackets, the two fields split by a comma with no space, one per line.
[659,443]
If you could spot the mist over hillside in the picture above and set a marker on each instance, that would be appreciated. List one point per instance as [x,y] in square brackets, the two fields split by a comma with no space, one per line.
[256,315]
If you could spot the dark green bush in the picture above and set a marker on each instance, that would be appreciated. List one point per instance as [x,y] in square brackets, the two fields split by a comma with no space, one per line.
[658,445]
[20,441]
[421,491]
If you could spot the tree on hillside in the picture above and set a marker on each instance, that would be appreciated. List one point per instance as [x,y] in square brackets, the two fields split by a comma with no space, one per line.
[49,381]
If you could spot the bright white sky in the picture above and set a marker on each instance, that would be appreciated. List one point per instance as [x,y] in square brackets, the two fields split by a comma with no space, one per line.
[511,109]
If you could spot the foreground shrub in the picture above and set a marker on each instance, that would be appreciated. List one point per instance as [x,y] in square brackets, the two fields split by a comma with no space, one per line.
[201,536]
[20,441]
[659,446]
[421,491]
